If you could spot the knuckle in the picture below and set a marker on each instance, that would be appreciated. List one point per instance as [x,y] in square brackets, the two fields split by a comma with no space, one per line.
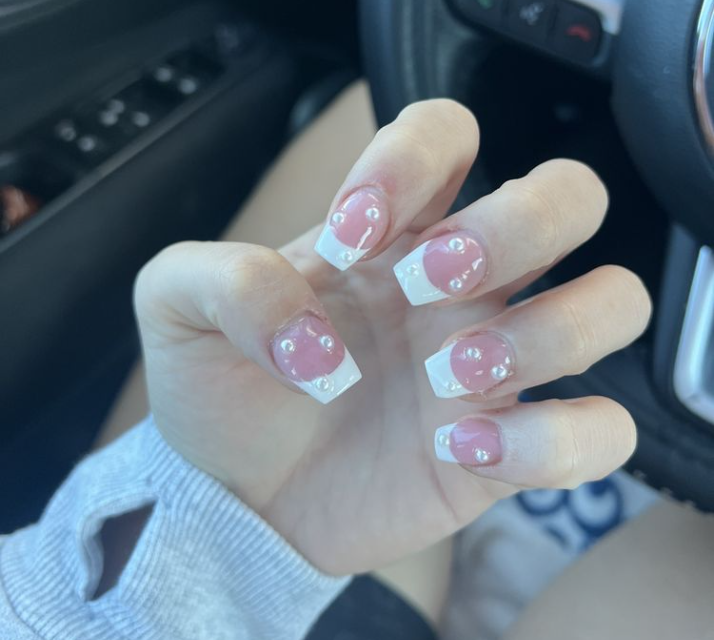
[545,228]
[633,292]
[577,173]
[438,130]
[252,268]
[586,187]
[567,455]
[453,114]
[587,452]
[407,142]
[621,427]
[438,111]
[580,337]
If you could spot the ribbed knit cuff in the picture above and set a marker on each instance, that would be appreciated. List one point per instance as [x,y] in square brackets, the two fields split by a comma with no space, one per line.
[205,565]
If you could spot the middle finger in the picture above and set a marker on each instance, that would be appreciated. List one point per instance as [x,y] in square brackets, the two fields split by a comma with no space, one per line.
[522,227]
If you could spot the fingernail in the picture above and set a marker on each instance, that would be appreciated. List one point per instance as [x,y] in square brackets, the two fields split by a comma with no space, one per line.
[470,365]
[472,441]
[447,266]
[312,355]
[355,228]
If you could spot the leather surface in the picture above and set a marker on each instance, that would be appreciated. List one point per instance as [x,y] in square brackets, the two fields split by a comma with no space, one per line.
[653,103]
[414,50]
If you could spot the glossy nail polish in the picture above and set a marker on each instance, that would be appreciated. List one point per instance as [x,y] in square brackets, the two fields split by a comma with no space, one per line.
[470,365]
[474,442]
[355,228]
[312,355]
[447,266]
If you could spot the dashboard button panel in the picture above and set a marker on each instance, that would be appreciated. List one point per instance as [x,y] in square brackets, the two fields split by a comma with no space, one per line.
[580,32]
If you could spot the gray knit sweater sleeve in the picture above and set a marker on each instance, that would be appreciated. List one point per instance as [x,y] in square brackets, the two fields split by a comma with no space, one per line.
[205,566]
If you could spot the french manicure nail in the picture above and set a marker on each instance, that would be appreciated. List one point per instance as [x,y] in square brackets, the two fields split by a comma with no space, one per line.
[355,228]
[449,265]
[312,355]
[470,365]
[472,441]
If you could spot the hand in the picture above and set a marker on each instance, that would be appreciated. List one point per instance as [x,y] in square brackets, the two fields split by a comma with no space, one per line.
[231,333]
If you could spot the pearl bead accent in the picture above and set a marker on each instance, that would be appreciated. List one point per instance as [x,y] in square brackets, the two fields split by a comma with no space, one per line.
[456,284]
[338,218]
[288,346]
[499,372]
[372,213]
[481,456]
[322,384]
[457,244]
[327,342]
[473,353]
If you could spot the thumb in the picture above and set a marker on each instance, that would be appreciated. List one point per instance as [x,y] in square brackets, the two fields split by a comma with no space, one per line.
[257,300]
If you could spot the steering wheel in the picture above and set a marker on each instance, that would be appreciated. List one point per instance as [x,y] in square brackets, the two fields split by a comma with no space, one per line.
[654,64]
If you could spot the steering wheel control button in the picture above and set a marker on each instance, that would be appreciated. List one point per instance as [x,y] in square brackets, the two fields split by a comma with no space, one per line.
[108,118]
[116,106]
[447,266]
[66,131]
[355,228]
[474,364]
[489,12]
[530,19]
[141,119]
[164,74]
[188,85]
[87,144]
[577,33]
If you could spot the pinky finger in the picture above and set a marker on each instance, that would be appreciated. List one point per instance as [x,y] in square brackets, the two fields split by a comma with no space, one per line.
[551,444]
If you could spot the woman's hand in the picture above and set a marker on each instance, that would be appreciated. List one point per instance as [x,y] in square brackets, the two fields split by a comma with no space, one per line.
[232,332]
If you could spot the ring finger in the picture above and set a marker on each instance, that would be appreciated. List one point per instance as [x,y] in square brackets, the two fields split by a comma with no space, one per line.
[557,333]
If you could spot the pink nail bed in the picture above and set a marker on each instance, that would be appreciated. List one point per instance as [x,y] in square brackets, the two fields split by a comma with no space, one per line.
[473,364]
[311,354]
[449,265]
[355,228]
[472,441]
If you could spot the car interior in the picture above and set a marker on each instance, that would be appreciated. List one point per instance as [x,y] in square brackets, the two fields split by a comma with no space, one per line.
[127,126]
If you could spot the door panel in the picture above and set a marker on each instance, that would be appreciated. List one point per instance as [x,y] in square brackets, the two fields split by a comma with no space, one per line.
[66,325]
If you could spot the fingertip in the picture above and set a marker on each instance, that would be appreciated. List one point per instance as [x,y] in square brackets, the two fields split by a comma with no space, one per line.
[412,279]
[332,386]
[336,253]
[354,228]
[472,442]
[310,354]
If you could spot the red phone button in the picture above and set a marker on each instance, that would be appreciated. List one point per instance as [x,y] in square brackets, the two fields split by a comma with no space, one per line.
[577,33]
[580,31]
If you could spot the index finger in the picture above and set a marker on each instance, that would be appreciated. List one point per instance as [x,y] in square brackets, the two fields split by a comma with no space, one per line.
[408,177]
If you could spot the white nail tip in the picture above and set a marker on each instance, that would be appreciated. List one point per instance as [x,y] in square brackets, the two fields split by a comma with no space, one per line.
[413,279]
[335,252]
[442,443]
[441,375]
[326,388]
